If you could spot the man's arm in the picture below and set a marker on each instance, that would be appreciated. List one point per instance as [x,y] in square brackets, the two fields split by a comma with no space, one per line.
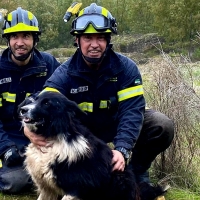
[5,143]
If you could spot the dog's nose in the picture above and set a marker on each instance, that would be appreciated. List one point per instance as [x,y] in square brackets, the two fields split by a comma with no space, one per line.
[23,110]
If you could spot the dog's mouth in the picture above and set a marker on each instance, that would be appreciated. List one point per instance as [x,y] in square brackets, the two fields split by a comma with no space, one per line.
[37,122]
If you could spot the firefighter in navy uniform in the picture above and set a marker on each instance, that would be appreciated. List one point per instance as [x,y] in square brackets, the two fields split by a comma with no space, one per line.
[23,71]
[108,86]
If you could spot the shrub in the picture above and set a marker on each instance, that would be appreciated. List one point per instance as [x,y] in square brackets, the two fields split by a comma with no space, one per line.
[169,88]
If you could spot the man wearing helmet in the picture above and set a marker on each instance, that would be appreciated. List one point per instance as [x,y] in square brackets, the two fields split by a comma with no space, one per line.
[23,71]
[108,86]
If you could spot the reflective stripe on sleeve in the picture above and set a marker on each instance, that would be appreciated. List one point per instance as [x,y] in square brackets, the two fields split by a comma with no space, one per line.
[103,104]
[9,97]
[85,106]
[28,94]
[130,92]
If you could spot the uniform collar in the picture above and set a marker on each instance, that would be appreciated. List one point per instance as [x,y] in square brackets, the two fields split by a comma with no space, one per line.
[111,64]
[35,62]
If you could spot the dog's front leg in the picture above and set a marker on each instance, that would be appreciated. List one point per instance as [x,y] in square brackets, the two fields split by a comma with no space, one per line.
[48,195]
[69,197]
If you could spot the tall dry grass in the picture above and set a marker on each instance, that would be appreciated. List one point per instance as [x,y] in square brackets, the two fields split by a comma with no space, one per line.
[171,87]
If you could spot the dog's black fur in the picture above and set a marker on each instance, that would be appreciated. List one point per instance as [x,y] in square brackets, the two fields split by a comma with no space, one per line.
[80,165]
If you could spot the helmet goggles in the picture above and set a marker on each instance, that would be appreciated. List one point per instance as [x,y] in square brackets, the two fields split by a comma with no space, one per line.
[99,22]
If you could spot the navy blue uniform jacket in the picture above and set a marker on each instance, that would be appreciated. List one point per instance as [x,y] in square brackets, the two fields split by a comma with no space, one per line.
[112,96]
[16,83]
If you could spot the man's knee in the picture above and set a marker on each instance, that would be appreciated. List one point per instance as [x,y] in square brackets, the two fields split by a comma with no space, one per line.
[157,131]
[166,126]
[14,180]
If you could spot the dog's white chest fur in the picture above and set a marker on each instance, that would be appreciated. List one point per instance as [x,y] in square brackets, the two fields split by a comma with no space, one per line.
[39,160]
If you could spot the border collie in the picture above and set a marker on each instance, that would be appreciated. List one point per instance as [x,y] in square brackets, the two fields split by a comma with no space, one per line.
[77,164]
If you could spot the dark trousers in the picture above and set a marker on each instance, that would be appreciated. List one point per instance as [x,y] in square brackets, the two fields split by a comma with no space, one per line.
[156,136]
[14,179]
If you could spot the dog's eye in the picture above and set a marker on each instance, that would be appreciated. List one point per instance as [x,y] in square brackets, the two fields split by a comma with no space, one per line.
[46,102]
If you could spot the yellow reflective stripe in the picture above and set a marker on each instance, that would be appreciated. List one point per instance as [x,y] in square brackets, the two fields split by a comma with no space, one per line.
[85,106]
[1,102]
[49,89]
[30,15]
[21,26]
[103,104]
[130,92]
[104,12]
[9,97]
[28,94]
[81,12]
[9,17]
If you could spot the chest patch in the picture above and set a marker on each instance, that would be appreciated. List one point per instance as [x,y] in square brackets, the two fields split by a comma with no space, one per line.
[5,80]
[79,89]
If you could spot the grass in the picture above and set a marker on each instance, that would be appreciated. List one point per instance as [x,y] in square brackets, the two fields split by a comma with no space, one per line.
[172,194]
[180,194]
[3,46]
[30,196]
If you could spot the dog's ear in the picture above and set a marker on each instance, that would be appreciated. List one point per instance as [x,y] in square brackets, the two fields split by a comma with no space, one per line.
[77,111]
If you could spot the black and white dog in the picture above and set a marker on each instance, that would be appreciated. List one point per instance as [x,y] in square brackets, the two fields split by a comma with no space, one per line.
[77,164]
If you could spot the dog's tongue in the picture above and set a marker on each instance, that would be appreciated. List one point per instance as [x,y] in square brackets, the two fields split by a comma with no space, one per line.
[27,119]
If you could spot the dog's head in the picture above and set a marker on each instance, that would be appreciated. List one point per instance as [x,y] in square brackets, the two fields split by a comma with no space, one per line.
[50,114]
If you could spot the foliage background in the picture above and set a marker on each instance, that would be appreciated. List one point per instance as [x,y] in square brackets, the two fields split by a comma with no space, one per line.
[177,20]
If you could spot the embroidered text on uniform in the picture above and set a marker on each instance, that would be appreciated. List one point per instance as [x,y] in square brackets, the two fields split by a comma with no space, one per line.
[79,89]
[5,80]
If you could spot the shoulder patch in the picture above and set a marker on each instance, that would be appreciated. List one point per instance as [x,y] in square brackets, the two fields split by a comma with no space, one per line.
[42,74]
[114,79]
[137,81]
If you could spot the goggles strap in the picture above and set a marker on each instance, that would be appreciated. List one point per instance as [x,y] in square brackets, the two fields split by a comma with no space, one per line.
[93,61]
[25,56]
[22,57]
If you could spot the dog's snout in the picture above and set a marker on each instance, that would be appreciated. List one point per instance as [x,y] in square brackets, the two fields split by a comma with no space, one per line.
[23,110]
[26,109]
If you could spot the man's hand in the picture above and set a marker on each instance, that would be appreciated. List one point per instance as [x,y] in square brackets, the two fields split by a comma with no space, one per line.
[118,161]
[37,140]
[12,157]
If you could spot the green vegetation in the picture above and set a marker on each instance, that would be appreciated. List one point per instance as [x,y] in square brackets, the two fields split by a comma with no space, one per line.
[63,52]
[171,86]
[3,46]
[18,197]
[177,21]
[181,194]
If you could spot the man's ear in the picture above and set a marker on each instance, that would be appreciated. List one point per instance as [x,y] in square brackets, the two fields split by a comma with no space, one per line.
[76,42]
[7,38]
